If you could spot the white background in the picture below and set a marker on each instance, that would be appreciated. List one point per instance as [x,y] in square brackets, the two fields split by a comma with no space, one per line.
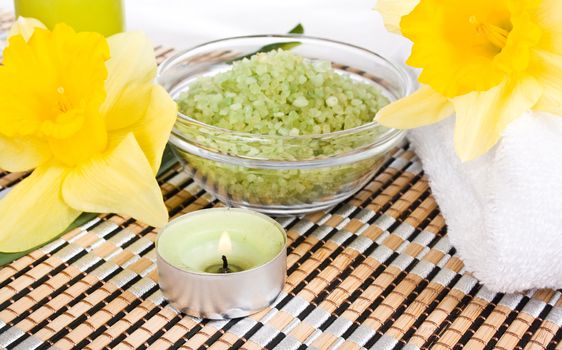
[185,23]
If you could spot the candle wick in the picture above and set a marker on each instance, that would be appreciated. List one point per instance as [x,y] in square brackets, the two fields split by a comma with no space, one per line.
[225,268]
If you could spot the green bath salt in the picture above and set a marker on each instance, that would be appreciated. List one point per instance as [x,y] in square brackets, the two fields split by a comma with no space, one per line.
[281,98]
[281,93]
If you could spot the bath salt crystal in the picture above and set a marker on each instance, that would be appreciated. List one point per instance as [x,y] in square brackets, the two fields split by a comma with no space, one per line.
[278,92]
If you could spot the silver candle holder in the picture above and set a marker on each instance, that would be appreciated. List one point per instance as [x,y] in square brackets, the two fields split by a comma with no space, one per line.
[221,263]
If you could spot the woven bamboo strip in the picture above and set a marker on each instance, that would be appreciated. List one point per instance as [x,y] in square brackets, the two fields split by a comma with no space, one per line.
[384,179]
[400,208]
[417,310]
[124,326]
[391,191]
[522,322]
[547,330]
[326,274]
[10,179]
[99,295]
[335,298]
[462,323]
[152,325]
[109,310]
[400,289]
[18,268]
[38,272]
[74,291]
[381,181]
[8,271]
[439,315]
[142,266]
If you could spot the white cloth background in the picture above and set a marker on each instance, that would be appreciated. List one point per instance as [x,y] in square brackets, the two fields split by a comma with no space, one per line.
[185,23]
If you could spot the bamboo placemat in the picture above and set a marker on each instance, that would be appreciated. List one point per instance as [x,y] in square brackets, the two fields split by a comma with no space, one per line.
[375,272]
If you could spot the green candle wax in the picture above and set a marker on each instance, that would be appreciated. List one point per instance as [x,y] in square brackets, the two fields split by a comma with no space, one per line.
[102,16]
[196,242]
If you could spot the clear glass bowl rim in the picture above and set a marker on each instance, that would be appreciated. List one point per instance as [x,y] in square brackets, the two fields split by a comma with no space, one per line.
[406,79]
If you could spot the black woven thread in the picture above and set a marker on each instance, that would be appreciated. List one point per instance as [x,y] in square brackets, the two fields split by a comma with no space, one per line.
[430,308]
[556,340]
[188,336]
[453,315]
[346,272]
[177,189]
[116,317]
[67,285]
[409,299]
[478,322]
[161,331]
[509,319]
[185,203]
[121,337]
[37,262]
[42,280]
[370,310]
[54,294]
[80,319]
[83,295]
[534,327]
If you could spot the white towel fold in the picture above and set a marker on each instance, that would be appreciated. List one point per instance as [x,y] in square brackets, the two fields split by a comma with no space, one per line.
[503,210]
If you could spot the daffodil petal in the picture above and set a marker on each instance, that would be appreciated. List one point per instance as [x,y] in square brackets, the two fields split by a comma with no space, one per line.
[25,27]
[34,211]
[454,58]
[132,69]
[91,139]
[393,10]
[547,69]
[22,153]
[153,130]
[423,107]
[549,19]
[482,116]
[121,182]
[52,87]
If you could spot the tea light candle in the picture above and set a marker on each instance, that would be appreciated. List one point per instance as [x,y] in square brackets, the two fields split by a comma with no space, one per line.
[221,263]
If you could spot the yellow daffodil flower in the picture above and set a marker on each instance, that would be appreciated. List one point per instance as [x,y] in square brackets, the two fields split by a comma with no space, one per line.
[83,112]
[488,61]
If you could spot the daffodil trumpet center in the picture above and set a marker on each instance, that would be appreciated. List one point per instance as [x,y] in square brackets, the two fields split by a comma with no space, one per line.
[496,35]
[63,102]
[467,46]
[65,120]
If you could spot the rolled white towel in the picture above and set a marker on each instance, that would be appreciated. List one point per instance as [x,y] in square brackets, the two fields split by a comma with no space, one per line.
[503,210]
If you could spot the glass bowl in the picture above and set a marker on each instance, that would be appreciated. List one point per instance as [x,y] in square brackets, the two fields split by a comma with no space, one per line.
[282,174]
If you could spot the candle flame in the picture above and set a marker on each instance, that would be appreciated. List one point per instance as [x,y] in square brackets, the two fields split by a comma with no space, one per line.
[225,244]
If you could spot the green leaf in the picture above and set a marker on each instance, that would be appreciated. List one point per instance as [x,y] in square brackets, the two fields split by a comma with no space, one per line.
[6,258]
[169,159]
[298,29]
